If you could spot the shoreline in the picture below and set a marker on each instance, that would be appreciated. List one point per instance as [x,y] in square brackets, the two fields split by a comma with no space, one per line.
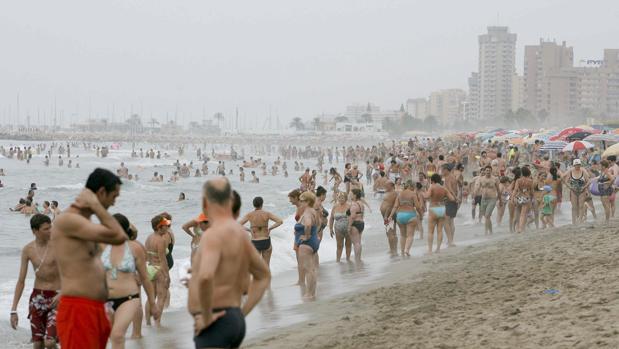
[497,294]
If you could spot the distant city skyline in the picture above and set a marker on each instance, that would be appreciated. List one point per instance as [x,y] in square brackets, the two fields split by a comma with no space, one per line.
[186,60]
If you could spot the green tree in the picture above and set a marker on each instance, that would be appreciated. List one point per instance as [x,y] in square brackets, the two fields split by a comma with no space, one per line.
[297,124]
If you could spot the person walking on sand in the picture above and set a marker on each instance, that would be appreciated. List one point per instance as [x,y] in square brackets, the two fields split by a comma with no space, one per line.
[44,296]
[260,231]
[81,319]
[225,266]
[437,194]
[488,187]
[406,210]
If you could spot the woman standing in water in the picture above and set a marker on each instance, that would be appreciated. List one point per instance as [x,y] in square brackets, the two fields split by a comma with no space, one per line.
[121,263]
[577,180]
[437,195]
[355,222]
[523,197]
[338,226]
[156,265]
[406,210]
[260,231]
[293,198]
[605,187]
[306,238]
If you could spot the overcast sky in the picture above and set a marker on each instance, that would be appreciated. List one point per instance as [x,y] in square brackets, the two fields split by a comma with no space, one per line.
[299,58]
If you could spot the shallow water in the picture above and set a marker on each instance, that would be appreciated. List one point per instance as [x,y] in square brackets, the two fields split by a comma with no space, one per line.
[141,200]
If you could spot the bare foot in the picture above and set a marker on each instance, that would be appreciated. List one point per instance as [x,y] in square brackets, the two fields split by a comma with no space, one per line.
[452,245]
[136,336]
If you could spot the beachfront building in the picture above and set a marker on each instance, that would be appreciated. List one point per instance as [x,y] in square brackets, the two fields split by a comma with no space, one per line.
[471,106]
[583,92]
[541,62]
[497,64]
[417,108]
[447,106]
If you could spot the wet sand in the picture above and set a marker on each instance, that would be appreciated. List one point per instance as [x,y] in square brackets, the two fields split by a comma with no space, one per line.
[556,288]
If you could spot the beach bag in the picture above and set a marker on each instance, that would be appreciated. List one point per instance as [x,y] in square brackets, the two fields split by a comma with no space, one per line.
[594,187]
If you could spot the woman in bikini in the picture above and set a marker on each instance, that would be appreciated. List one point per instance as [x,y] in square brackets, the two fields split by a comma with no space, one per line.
[121,263]
[260,231]
[437,195]
[422,207]
[505,189]
[554,181]
[293,198]
[513,209]
[577,180]
[522,196]
[338,226]
[355,222]
[406,210]
[156,264]
[337,180]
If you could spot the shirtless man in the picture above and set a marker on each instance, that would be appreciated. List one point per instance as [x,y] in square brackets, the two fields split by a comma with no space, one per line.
[225,267]
[305,180]
[380,184]
[488,187]
[81,319]
[385,209]
[44,296]
[260,230]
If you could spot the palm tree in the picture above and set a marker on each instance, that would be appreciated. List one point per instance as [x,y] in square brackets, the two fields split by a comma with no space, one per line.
[297,124]
[316,123]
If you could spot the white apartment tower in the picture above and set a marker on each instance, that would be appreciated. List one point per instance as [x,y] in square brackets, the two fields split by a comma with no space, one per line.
[497,64]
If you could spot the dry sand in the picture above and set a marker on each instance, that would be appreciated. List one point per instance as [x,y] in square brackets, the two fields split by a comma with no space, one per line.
[484,296]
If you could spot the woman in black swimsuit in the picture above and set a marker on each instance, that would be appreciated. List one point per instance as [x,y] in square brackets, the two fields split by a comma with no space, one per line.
[355,222]
[605,186]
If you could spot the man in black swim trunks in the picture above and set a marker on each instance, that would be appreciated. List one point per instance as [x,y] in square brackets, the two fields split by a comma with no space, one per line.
[225,266]
[451,207]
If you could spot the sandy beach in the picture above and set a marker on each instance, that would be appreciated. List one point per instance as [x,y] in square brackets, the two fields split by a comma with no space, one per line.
[556,288]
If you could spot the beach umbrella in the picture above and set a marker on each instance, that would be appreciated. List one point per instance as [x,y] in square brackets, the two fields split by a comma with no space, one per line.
[578,145]
[553,146]
[578,136]
[603,137]
[516,141]
[612,150]
[565,133]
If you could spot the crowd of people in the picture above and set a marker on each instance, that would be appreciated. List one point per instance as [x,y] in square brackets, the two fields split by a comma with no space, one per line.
[95,270]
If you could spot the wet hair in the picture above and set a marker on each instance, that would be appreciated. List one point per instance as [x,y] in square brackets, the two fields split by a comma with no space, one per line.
[553,173]
[258,202]
[526,172]
[214,194]
[295,194]
[436,178]
[320,191]
[124,223]
[102,178]
[357,193]
[236,203]
[308,197]
[38,220]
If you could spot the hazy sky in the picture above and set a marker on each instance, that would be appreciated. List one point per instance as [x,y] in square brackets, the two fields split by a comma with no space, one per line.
[299,57]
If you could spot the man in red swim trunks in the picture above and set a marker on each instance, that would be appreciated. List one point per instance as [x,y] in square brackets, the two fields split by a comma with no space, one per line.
[81,319]
[42,307]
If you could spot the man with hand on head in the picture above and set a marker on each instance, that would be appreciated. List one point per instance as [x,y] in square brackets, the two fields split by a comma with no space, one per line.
[81,318]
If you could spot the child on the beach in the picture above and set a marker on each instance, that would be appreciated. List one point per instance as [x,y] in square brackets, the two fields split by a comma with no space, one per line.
[548,208]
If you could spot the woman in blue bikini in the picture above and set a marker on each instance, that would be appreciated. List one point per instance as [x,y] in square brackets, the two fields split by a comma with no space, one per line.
[406,210]
[437,195]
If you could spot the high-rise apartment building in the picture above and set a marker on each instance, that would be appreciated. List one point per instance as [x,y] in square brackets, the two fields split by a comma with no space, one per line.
[517,92]
[497,62]
[471,107]
[447,105]
[417,108]
[540,62]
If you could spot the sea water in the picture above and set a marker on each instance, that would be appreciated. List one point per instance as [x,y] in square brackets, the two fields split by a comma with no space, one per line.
[139,201]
